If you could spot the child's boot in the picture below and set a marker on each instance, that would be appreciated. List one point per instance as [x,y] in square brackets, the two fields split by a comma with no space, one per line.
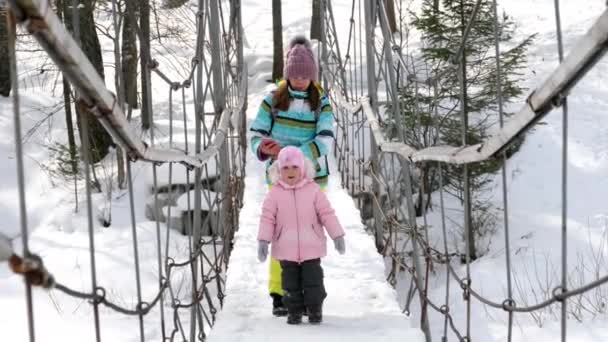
[315,314]
[294,317]
[278,308]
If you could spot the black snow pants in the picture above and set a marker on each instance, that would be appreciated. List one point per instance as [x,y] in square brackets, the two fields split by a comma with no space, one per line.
[303,285]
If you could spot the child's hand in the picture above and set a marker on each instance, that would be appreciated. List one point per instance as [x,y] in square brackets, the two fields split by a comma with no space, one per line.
[262,250]
[339,244]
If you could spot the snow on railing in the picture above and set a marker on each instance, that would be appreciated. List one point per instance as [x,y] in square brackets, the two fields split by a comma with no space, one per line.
[39,19]
[540,102]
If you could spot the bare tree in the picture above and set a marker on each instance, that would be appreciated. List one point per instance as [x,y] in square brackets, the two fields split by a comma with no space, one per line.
[129,56]
[315,22]
[99,139]
[390,13]
[277,36]
[144,24]
[5,79]
[62,8]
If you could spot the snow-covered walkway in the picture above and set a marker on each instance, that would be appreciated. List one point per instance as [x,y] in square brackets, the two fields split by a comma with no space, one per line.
[360,306]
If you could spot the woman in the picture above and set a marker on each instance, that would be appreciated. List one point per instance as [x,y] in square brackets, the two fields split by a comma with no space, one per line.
[297,113]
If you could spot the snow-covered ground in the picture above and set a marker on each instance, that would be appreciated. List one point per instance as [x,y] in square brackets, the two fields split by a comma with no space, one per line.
[360,304]
[534,198]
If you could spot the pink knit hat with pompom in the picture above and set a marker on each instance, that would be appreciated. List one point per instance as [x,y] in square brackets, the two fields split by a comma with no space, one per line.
[300,60]
[290,155]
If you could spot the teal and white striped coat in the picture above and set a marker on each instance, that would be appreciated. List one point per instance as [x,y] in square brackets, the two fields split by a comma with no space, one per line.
[298,126]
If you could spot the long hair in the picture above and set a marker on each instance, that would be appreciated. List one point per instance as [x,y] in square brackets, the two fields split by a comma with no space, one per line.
[274,174]
[281,98]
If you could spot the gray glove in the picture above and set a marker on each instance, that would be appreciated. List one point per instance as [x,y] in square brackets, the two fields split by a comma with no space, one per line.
[262,250]
[339,244]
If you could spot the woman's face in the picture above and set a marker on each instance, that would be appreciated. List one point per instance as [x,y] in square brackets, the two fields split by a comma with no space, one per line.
[299,84]
[290,174]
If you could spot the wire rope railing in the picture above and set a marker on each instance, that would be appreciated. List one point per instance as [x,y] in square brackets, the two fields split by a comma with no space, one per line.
[208,204]
[387,175]
[380,171]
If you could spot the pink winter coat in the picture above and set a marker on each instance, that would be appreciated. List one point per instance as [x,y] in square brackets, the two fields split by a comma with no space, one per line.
[293,218]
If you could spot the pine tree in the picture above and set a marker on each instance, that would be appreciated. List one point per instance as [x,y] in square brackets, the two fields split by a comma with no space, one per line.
[432,113]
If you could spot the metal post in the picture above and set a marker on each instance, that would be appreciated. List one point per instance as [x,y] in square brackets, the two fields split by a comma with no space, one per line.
[323,60]
[373,97]
[219,103]
[196,224]
[330,11]
[564,194]
[86,151]
[416,253]
[12,35]
[241,35]
[397,119]
[242,69]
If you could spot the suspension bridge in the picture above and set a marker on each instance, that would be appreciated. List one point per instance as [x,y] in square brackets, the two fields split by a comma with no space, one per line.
[215,289]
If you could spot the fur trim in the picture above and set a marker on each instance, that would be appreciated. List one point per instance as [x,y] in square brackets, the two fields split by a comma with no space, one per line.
[274,174]
[309,169]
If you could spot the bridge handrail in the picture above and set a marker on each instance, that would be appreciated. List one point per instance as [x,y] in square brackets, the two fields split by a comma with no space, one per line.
[39,19]
[540,102]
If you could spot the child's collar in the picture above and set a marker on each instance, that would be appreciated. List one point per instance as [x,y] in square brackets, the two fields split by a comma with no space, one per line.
[298,185]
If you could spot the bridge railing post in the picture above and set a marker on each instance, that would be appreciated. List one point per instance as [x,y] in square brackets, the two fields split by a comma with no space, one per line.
[373,98]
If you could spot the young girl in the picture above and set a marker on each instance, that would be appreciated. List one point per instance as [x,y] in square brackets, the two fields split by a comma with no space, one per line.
[293,216]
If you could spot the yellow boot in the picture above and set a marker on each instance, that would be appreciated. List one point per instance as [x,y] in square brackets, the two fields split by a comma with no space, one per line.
[276,289]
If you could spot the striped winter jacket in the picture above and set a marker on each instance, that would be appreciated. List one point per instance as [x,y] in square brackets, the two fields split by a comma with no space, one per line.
[297,127]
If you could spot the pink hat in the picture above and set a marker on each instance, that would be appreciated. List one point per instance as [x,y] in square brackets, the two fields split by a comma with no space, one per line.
[300,60]
[290,155]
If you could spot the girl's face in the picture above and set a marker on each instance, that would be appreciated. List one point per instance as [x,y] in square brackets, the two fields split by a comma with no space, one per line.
[299,84]
[290,174]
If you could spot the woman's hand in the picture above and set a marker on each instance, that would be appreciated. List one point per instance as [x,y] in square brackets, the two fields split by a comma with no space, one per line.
[270,148]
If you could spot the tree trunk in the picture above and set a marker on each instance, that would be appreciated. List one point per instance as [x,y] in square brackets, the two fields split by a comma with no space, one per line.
[99,139]
[5,75]
[67,103]
[422,192]
[277,36]
[144,24]
[120,162]
[390,13]
[129,56]
[315,23]
[465,126]
[71,136]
